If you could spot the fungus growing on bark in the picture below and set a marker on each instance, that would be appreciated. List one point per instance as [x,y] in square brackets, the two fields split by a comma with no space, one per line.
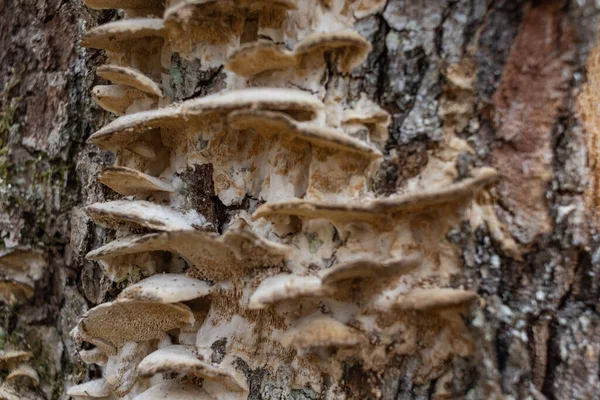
[96,389]
[23,376]
[19,270]
[130,182]
[305,259]
[174,389]
[115,35]
[181,359]
[257,57]
[129,77]
[144,214]
[321,331]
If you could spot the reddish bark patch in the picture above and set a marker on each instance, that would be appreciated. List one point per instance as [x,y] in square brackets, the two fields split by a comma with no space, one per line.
[531,95]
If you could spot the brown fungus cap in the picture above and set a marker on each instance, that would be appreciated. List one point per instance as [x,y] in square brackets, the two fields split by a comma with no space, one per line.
[321,331]
[294,102]
[24,376]
[277,123]
[166,288]
[369,269]
[181,359]
[211,256]
[12,292]
[110,36]
[144,214]
[121,373]
[285,287]
[130,182]
[174,389]
[257,57]
[116,98]
[119,322]
[352,48]
[11,358]
[129,77]
[96,389]
[379,209]
[123,131]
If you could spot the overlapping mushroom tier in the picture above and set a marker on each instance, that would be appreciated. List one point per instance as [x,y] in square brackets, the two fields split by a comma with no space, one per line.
[310,269]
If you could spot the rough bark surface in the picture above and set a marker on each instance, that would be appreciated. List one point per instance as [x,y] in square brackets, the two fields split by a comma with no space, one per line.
[537,328]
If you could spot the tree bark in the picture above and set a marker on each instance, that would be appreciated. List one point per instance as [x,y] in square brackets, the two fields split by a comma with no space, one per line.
[537,329]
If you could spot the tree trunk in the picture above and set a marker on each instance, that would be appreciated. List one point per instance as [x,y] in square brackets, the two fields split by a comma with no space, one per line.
[516,80]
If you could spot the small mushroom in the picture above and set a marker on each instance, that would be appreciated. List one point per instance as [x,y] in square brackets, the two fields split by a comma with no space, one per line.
[130,182]
[114,214]
[125,130]
[181,359]
[174,389]
[93,356]
[12,292]
[277,123]
[369,114]
[257,57]
[364,268]
[110,36]
[285,287]
[121,372]
[11,358]
[352,49]
[24,376]
[121,321]
[321,331]
[435,299]
[297,103]
[118,98]
[211,256]
[380,209]
[96,389]
[129,77]
[166,288]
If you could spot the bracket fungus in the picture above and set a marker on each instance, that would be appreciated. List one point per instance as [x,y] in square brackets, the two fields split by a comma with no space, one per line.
[303,258]
[20,269]
[129,181]
[129,77]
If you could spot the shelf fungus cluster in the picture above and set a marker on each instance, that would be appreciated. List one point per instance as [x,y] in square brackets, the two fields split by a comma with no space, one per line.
[309,270]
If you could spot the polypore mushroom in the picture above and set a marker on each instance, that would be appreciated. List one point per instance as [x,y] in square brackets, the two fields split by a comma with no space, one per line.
[93,356]
[257,57]
[24,376]
[120,99]
[121,321]
[380,209]
[130,182]
[174,389]
[129,77]
[181,359]
[12,358]
[277,123]
[321,331]
[121,372]
[124,131]
[211,256]
[351,48]
[285,287]
[96,389]
[369,269]
[15,292]
[298,104]
[114,35]
[115,214]
[166,288]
